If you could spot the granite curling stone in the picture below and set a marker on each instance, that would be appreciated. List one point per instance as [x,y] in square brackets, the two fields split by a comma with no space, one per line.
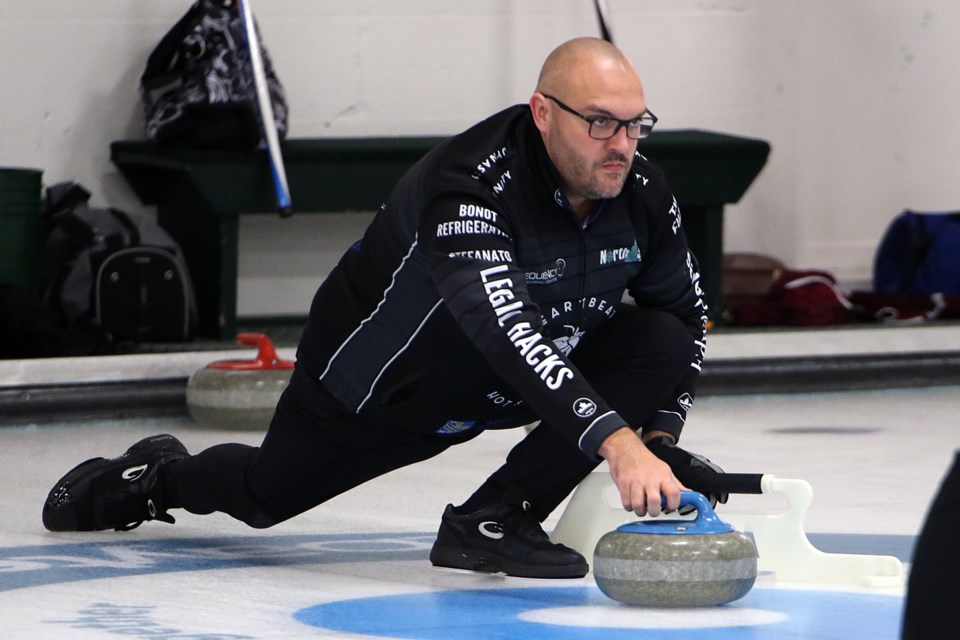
[239,394]
[676,563]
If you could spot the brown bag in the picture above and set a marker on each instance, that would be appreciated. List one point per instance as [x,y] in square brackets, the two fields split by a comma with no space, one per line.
[748,276]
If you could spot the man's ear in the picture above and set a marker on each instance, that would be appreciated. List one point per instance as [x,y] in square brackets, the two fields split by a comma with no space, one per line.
[540,110]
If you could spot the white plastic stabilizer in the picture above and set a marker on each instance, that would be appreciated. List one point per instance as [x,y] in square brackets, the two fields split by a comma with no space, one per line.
[785,550]
[594,509]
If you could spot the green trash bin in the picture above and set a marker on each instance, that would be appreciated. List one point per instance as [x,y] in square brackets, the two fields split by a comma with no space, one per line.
[21,202]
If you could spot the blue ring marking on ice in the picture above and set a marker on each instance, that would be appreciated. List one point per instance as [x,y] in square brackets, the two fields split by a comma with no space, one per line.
[505,614]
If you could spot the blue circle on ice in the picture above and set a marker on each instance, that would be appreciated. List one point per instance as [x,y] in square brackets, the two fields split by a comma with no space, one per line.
[582,613]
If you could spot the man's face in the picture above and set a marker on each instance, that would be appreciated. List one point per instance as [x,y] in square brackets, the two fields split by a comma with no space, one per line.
[592,169]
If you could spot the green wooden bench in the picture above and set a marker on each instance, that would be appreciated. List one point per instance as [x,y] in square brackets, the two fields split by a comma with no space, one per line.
[200,195]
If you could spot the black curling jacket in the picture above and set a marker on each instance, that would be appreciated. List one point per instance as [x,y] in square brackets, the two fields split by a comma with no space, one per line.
[458,309]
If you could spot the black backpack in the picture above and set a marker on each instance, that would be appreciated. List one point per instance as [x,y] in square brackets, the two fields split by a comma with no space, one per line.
[113,271]
[198,89]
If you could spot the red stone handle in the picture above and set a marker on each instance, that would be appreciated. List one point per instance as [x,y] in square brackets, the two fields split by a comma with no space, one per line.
[266,359]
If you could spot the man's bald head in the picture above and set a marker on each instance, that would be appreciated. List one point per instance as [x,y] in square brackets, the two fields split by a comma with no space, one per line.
[584,67]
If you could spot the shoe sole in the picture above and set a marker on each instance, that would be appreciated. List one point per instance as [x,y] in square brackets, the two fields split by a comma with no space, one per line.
[484,562]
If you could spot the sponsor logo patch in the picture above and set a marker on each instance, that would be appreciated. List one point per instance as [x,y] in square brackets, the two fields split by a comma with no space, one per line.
[620,254]
[455,426]
[584,407]
[547,276]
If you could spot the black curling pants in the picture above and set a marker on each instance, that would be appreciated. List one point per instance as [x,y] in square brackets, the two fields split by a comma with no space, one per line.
[316,448]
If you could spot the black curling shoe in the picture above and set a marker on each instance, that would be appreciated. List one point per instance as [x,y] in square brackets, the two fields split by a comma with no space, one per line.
[503,539]
[113,493]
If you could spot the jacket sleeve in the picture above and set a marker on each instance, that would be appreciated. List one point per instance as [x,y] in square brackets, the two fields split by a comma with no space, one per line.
[469,247]
[670,281]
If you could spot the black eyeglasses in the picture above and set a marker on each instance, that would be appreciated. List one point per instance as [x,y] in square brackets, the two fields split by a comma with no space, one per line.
[605,127]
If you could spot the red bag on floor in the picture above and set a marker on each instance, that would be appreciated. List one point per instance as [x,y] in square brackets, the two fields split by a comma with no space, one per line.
[797,298]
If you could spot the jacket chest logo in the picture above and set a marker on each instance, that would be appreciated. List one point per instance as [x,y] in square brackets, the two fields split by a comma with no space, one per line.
[617,255]
[547,276]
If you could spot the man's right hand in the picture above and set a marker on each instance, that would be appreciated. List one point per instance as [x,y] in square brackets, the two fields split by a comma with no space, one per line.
[641,477]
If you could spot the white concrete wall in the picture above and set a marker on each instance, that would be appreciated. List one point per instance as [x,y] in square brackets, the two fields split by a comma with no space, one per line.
[857,99]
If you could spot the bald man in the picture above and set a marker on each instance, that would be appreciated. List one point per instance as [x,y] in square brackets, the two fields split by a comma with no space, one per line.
[486,294]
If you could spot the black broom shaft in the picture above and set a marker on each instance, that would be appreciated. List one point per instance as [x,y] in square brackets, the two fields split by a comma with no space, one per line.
[735,483]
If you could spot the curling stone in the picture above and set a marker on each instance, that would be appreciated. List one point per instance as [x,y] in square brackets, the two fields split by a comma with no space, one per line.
[676,563]
[239,394]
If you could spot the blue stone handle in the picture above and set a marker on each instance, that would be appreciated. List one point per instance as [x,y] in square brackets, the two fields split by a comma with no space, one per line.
[706,521]
[706,516]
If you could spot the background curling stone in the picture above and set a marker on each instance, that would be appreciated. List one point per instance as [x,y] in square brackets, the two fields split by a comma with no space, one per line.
[676,563]
[239,394]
